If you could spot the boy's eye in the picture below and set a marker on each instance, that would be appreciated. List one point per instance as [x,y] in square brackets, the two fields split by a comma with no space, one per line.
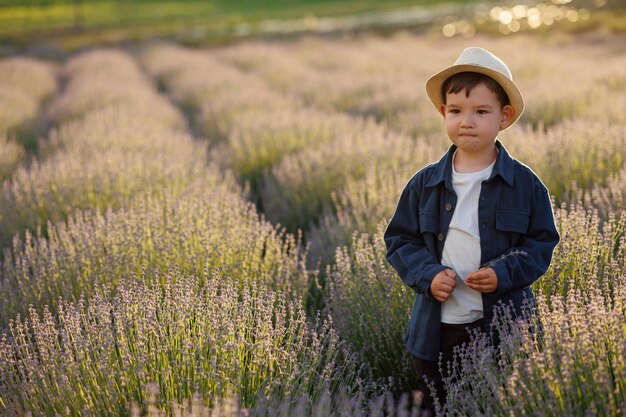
[454,111]
[482,112]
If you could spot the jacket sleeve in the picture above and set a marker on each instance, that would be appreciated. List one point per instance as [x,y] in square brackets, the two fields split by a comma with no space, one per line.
[406,248]
[520,266]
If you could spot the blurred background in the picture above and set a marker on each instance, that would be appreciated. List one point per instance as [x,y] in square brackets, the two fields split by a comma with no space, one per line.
[65,25]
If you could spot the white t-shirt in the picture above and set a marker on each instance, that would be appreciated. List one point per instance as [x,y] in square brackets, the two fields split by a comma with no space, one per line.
[461,251]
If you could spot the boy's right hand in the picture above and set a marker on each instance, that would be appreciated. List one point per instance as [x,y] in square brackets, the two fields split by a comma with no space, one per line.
[443,284]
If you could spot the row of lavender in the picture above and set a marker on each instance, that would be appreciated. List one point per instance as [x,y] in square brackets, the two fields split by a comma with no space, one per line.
[133,260]
[26,84]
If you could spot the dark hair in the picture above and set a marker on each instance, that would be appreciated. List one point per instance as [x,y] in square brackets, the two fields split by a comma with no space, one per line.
[468,80]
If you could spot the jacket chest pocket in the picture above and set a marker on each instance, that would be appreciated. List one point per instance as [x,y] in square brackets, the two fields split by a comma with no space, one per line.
[429,223]
[513,224]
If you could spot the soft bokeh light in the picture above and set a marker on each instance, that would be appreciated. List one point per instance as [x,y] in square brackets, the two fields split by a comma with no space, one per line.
[505,17]
[449,30]
[572,16]
[510,19]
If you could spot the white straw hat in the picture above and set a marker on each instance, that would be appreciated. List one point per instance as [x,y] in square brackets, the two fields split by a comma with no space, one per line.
[479,60]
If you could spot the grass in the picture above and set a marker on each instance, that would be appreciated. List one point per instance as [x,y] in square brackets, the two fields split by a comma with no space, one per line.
[70,25]
[76,24]
[87,14]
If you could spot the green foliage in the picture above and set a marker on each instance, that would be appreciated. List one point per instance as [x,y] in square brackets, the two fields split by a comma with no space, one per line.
[591,248]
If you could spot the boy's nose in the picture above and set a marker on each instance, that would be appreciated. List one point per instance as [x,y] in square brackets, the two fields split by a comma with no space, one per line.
[467,120]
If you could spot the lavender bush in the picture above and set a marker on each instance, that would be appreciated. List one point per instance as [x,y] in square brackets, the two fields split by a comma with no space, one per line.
[564,155]
[188,335]
[11,154]
[379,403]
[25,86]
[295,191]
[569,360]
[591,250]
[608,198]
[573,365]
[213,93]
[208,226]
[361,204]
[321,75]
[371,307]
[107,77]
[54,189]
[259,141]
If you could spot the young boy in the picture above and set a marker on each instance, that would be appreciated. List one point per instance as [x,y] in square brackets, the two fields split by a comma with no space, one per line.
[474,229]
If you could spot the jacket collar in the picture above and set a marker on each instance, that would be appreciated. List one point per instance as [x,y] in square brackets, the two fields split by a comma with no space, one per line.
[504,167]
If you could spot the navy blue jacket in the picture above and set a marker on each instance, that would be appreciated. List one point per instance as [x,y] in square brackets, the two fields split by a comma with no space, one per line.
[517,238]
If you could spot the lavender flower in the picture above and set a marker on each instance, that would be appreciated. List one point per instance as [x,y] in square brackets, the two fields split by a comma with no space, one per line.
[509,254]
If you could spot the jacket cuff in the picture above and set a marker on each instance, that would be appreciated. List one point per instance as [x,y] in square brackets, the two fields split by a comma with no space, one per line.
[426,278]
[504,279]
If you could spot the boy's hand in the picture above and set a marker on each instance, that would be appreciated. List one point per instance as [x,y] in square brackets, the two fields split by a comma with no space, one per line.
[484,280]
[443,284]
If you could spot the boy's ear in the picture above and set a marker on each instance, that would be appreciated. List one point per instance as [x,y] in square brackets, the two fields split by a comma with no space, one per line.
[507,114]
[442,110]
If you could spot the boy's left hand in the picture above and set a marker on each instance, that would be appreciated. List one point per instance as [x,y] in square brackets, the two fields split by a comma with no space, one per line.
[484,280]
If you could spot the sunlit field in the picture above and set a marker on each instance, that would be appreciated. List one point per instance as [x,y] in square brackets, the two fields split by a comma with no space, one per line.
[199,231]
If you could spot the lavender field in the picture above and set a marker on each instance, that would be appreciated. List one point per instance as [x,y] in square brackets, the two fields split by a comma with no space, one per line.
[198,232]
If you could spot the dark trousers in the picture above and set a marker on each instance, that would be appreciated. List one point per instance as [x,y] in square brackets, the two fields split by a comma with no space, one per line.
[451,335]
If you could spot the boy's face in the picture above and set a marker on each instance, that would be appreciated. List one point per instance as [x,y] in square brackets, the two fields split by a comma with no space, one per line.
[473,122]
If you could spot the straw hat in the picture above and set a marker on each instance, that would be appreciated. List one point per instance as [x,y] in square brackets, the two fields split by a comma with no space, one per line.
[479,60]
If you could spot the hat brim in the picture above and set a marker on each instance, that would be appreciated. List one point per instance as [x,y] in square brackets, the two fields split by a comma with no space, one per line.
[435,83]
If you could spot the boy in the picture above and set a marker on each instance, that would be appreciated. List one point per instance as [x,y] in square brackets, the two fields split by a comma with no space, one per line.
[474,229]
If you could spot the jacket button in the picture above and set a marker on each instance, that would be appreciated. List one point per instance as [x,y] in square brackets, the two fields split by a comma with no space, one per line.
[448,207]
[440,236]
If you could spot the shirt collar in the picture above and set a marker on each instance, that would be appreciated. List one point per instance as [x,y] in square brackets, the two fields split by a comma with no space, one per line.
[503,167]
